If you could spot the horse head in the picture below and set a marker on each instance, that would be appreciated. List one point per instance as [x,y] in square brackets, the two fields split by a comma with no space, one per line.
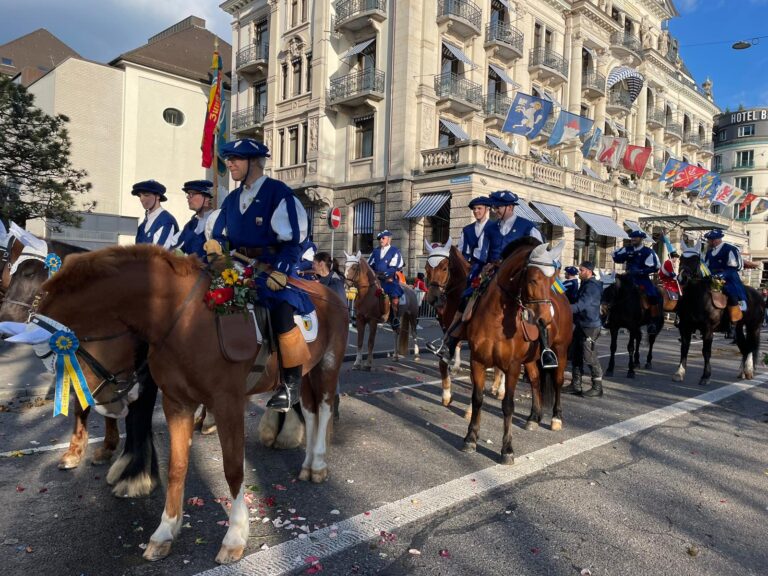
[690,263]
[352,268]
[23,273]
[438,273]
[538,277]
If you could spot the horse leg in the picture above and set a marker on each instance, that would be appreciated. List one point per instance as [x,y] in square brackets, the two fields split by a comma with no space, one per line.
[317,416]
[78,441]
[181,422]
[707,353]
[291,433]
[103,453]
[557,411]
[508,407]
[638,341]
[477,372]
[498,388]
[685,345]
[612,361]
[649,357]
[634,342]
[372,328]
[445,380]
[414,328]
[532,370]
[360,325]
[456,366]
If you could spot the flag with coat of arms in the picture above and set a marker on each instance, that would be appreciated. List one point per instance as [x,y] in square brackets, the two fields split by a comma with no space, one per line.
[636,158]
[527,115]
[688,174]
[705,184]
[611,150]
[569,127]
[723,193]
[760,207]
[591,142]
[747,200]
[671,170]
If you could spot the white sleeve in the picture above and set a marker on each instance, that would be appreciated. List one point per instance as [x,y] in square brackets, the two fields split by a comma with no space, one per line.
[734,259]
[396,261]
[281,223]
[460,245]
[652,260]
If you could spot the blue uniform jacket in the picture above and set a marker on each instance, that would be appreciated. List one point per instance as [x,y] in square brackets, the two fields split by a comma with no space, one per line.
[165,223]
[586,309]
[190,242]
[571,289]
[387,266]
[640,262]
[470,241]
[726,263]
[495,241]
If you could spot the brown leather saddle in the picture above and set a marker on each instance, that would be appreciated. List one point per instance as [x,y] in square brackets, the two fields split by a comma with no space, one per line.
[719,300]
[670,299]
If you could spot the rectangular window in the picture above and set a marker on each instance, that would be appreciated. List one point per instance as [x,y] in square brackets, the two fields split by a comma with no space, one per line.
[742,213]
[294,13]
[745,159]
[304,140]
[285,81]
[723,134]
[364,137]
[7,61]
[281,150]
[744,182]
[261,33]
[747,130]
[308,80]
[297,77]
[446,138]
[260,97]
[293,145]
[718,165]
[304,10]
[362,227]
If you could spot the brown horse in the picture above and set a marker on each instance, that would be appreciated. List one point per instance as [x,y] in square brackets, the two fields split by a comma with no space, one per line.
[371,307]
[9,253]
[146,292]
[522,287]
[446,273]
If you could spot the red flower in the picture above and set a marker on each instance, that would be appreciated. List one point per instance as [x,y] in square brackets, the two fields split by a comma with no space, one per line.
[379,292]
[476,282]
[219,296]
[248,272]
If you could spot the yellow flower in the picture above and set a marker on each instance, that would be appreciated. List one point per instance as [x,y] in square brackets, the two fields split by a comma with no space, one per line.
[230,276]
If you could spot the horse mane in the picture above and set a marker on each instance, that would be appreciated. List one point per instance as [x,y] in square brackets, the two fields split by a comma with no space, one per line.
[457,263]
[80,269]
[515,244]
[62,249]
[365,267]
[514,261]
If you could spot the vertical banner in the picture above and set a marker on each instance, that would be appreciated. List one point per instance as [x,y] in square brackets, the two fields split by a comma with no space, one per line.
[212,112]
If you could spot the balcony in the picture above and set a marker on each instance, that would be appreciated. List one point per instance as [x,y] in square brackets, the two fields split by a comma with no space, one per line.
[253,59]
[655,118]
[292,175]
[619,102]
[355,15]
[461,17]
[496,107]
[548,65]
[460,95]
[505,39]
[593,85]
[744,166]
[249,121]
[707,147]
[625,45]
[357,88]
[692,141]
[546,131]
[673,131]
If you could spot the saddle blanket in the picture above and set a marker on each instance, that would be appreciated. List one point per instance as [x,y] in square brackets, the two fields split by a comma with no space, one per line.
[307,324]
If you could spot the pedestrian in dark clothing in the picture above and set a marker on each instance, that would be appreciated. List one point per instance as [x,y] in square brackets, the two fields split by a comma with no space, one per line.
[327,272]
[586,331]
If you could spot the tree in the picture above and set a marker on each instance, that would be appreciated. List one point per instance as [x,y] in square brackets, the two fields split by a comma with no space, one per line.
[37,179]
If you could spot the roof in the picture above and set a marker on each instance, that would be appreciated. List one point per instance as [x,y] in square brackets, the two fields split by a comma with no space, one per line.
[32,55]
[185,49]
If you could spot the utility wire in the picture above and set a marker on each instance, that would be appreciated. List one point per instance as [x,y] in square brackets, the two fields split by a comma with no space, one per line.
[753,40]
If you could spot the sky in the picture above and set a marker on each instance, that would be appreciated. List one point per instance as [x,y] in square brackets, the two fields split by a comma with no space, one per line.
[103,29]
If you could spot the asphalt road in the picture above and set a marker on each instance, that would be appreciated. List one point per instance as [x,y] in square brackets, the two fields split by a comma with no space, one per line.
[656,477]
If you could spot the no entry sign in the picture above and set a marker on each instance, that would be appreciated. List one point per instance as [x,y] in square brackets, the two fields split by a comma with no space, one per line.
[334,218]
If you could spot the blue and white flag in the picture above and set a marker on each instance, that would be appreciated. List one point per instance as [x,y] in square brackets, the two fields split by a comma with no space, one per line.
[591,142]
[569,127]
[527,115]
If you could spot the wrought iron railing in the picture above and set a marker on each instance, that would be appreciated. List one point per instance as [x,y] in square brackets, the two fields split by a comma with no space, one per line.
[594,81]
[655,115]
[347,9]
[465,9]
[368,80]
[674,128]
[692,139]
[252,53]
[549,59]
[706,146]
[497,104]
[248,118]
[504,33]
[450,85]
[626,40]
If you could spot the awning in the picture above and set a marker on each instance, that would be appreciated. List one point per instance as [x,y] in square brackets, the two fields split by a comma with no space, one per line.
[503,75]
[554,214]
[499,143]
[363,217]
[522,209]
[685,221]
[458,53]
[632,225]
[602,225]
[589,172]
[505,3]
[633,79]
[357,48]
[455,129]
[428,205]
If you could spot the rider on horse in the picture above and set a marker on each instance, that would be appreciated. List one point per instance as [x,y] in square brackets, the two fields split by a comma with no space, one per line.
[497,235]
[472,235]
[263,220]
[724,259]
[571,283]
[386,261]
[159,225]
[641,261]
[308,251]
[199,197]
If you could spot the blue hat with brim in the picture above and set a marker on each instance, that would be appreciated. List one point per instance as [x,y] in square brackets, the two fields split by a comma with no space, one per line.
[638,234]
[383,234]
[714,234]
[244,148]
[572,270]
[481,201]
[151,187]
[205,187]
[504,198]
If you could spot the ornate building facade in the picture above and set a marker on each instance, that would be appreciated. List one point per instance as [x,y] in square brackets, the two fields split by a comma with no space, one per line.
[392,111]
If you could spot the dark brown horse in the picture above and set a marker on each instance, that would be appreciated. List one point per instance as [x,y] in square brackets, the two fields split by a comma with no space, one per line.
[148,293]
[521,288]
[372,307]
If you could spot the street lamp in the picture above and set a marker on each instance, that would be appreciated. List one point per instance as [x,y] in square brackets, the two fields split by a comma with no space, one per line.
[741,45]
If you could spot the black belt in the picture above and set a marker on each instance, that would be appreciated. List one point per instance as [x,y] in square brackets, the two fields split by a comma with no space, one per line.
[257,251]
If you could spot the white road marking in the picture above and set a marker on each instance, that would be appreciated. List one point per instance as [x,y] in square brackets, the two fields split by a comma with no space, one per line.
[52,447]
[289,556]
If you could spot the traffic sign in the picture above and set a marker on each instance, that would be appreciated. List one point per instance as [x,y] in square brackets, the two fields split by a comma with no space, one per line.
[334,218]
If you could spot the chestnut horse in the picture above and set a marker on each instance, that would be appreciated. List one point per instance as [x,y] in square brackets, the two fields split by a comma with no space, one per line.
[9,253]
[370,309]
[446,273]
[522,286]
[145,292]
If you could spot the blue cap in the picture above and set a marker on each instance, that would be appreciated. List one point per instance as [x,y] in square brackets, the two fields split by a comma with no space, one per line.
[244,148]
[202,186]
[572,270]
[638,234]
[481,201]
[714,234]
[382,234]
[150,186]
[504,198]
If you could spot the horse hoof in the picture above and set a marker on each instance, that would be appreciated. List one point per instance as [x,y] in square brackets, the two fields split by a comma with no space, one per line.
[157,550]
[677,377]
[531,425]
[208,430]
[507,459]
[319,476]
[648,366]
[469,447]
[137,487]
[447,400]
[102,456]
[228,554]
[704,382]
[69,461]
[749,375]
[557,424]
[305,475]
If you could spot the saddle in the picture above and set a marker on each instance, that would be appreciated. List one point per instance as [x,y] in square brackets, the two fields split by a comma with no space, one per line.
[670,300]
[719,299]
[644,302]
[530,330]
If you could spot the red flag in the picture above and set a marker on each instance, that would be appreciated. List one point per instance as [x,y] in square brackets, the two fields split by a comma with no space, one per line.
[635,158]
[688,175]
[212,112]
[747,200]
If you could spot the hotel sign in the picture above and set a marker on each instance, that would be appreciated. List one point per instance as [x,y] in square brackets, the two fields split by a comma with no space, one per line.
[749,116]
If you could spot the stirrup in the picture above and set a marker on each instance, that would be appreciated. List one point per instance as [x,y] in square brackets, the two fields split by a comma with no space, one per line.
[548,359]
[440,349]
[284,399]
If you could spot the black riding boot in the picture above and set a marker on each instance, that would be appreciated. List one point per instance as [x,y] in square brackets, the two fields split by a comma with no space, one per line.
[288,394]
[597,389]
[575,386]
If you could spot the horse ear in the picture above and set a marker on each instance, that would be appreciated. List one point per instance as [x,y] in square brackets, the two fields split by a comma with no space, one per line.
[538,252]
[448,244]
[347,256]
[358,254]
[557,251]
[427,246]
[683,246]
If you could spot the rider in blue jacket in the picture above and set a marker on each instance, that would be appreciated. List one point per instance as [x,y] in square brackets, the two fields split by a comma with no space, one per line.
[641,262]
[159,226]
[723,259]
[199,195]
[386,261]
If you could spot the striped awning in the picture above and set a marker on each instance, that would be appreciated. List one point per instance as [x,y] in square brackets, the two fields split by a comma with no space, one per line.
[505,3]
[554,214]
[522,209]
[633,79]
[632,225]
[458,53]
[428,205]
[499,143]
[602,225]
[504,76]
[363,219]
[357,48]
[454,129]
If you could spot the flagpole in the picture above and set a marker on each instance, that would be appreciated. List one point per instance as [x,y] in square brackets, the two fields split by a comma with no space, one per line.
[215,163]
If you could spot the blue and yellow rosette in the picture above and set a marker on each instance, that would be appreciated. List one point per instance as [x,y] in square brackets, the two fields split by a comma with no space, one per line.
[64,344]
[52,263]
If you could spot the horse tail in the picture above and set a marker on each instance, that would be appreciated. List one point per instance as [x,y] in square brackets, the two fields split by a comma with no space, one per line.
[404,335]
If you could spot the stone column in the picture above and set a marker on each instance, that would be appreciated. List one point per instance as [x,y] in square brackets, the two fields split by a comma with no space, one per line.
[575,69]
[642,117]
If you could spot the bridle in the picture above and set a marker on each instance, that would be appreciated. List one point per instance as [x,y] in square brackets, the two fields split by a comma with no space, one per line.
[442,287]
